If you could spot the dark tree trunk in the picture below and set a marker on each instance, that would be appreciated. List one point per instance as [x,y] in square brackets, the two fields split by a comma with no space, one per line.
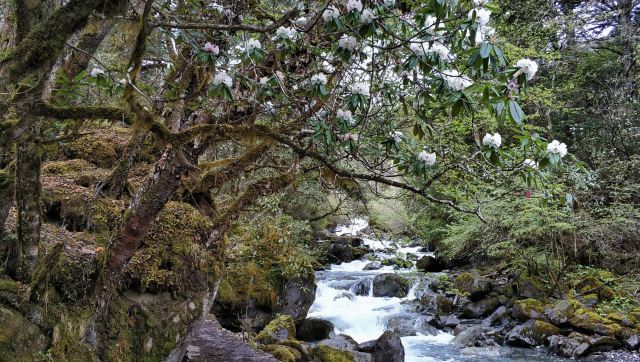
[27,196]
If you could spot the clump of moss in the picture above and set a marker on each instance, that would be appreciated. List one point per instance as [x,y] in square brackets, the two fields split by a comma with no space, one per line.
[281,328]
[325,353]
[174,256]
[102,147]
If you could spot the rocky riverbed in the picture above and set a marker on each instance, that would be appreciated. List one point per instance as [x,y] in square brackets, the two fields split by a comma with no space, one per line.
[378,300]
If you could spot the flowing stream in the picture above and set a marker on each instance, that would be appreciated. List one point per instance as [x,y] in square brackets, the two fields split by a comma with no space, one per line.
[365,317]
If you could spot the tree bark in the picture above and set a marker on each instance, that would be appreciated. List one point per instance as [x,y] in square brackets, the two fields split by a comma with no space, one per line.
[27,196]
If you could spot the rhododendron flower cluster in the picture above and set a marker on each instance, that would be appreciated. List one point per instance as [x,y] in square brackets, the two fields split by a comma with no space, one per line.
[286,33]
[429,159]
[482,16]
[319,79]
[211,48]
[455,81]
[354,5]
[494,140]
[347,42]
[528,66]
[223,78]
[253,44]
[360,88]
[367,17]
[345,114]
[331,13]
[557,148]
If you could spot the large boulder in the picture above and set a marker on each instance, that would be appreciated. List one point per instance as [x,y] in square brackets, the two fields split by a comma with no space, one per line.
[214,343]
[561,311]
[480,308]
[410,325]
[295,297]
[387,348]
[346,249]
[340,348]
[469,337]
[374,265]
[20,340]
[476,286]
[314,329]
[390,285]
[361,287]
[430,264]
[530,334]
[525,309]
[280,329]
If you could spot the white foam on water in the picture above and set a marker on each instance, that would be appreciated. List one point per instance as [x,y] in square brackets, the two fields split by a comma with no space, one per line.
[355,226]
[358,266]
[414,352]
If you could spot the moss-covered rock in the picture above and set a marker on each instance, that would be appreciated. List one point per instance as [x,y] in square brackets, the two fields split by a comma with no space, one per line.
[282,353]
[525,309]
[532,333]
[102,147]
[591,322]
[324,353]
[562,310]
[472,284]
[281,328]
[20,340]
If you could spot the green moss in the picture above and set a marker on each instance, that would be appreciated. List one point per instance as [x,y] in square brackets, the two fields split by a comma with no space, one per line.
[278,327]
[528,308]
[9,286]
[174,255]
[20,340]
[325,353]
[592,322]
[282,353]
[542,330]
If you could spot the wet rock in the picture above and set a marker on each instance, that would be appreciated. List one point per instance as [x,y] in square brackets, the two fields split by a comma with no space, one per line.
[362,287]
[476,286]
[603,343]
[499,316]
[390,285]
[325,353]
[346,295]
[374,265]
[450,321]
[410,325]
[214,343]
[387,348]
[430,264]
[530,334]
[314,329]
[397,263]
[295,297]
[481,308]
[345,250]
[573,346]
[469,337]
[632,342]
[411,256]
[444,304]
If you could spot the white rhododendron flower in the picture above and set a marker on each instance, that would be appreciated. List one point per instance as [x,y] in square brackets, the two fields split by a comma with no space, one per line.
[96,72]
[494,140]
[389,3]
[531,164]
[223,78]
[456,81]
[354,5]
[397,136]
[360,88]
[477,3]
[330,14]
[211,48]
[348,137]
[217,7]
[288,33]
[482,15]
[430,24]
[442,51]
[253,44]
[367,17]
[347,42]
[429,159]
[417,49]
[319,79]
[264,80]
[558,148]
[528,66]
[345,114]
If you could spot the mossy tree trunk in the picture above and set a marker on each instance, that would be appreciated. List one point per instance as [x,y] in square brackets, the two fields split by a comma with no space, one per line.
[27,188]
